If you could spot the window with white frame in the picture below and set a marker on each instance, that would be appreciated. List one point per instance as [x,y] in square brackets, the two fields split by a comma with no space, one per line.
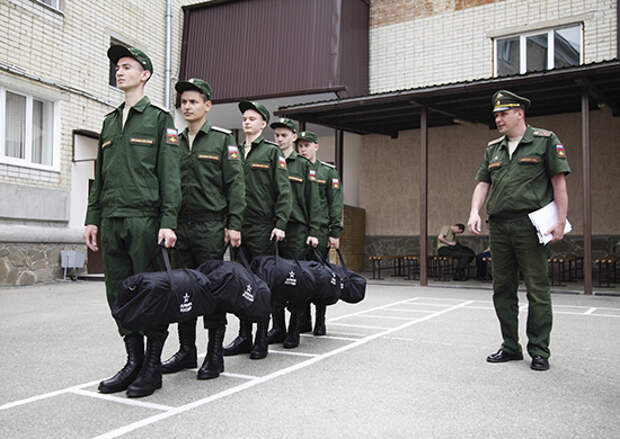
[538,50]
[52,3]
[26,129]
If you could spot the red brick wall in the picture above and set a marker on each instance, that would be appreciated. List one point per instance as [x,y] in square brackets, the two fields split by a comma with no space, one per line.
[384,12]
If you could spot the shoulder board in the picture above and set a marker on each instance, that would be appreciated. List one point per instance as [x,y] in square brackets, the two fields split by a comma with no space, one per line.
[163,110]
[499,139]
[221,130]
[329,165]
[302,157]
[542,133]
[269,142]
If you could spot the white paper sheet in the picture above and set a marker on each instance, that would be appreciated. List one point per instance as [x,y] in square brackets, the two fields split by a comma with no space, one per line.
[544,219]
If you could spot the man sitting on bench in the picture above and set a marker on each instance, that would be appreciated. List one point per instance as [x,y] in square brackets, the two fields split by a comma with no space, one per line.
[447,246]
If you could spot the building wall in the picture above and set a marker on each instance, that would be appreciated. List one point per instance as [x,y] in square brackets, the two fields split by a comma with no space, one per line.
[62,56]
[389,192]
[415,44]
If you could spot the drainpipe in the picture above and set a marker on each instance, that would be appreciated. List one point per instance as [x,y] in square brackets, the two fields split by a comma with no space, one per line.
[168,74]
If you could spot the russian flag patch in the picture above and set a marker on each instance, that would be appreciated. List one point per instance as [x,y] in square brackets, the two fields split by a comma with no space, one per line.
[559,149]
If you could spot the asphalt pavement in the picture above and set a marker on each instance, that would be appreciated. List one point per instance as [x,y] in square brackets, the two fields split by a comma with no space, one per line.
[406,362]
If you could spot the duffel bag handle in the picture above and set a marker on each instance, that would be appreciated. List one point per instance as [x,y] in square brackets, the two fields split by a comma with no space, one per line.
[317,254]
[243,257]
[341,258]
[166,258]
[224,251]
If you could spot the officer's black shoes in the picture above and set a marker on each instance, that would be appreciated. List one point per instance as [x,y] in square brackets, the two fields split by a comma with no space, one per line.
[539,363]
[305,324]
[134,345]
[292,336]
[185,358]
[319,323]
[261,345]
[149,378]
[243,343]
[278,329]
[502,356]
[214,360]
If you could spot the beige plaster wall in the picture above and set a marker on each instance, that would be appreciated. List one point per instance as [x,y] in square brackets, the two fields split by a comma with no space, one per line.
[389,174]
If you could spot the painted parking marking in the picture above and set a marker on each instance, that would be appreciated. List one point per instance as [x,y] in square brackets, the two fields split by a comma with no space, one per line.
[379,316]
[176,411]
[238,375]
[329,337]
[35,398]
[590,311]
[127,401]
[351,325]
[292,353]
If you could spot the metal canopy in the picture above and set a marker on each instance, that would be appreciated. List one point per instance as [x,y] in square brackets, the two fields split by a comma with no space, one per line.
[552,92]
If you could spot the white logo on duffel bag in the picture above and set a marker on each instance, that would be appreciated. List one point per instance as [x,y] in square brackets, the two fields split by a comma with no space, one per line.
[247,294]
[186,306]
[290,280]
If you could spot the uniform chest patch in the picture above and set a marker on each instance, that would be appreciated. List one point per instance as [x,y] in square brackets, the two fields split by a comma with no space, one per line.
[208,157]
[260,165]
[559,149]
[335,183]
[312,174]
[233,152]
[529,160]
[494,165]
[297,179]
[172,136]
[108,143]
[282,162]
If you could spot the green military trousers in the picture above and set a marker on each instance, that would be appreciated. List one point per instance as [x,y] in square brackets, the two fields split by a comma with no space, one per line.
[514,248]
[197,242]
[128,245]
[294,244]
[255,240]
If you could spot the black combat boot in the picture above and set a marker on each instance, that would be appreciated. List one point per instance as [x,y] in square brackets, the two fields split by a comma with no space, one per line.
[243,343]
[319,323]
[305,323]
[149,378]
[213,364]
[261,346]
[185,358]
[278,329]
[134,345]
[292,336]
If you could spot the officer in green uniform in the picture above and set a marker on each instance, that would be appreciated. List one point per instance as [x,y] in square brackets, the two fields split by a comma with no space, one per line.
[303,226]
[330,217]
[268,207]
[213,190]
[134,202]
[524,170]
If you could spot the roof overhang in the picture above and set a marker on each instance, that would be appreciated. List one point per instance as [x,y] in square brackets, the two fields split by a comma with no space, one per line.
[552,92]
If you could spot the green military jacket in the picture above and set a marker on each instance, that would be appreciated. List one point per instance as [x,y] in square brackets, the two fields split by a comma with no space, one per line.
[137,172]
[306,205]
[212,179]
[330,195]
[267,190]
[522,184]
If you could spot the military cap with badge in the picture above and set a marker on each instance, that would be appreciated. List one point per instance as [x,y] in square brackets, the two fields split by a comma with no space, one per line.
[503,100]
[256,106]
[308,136]
[194,84]
[285,123]
[117,52]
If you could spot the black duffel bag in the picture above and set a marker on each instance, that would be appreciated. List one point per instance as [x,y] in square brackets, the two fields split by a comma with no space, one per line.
[147,300]
[291,284]
[354,284]
[329,286]
[237,290]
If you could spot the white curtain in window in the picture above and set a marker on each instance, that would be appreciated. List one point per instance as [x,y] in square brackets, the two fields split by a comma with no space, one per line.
[15,129]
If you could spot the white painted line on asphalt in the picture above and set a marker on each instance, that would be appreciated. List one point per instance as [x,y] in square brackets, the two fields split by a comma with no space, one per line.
[406,301]
[613,316]
[352,334]
[378,316]
[407,310]
[292,353]
[239,375]
[360,326]
[415,340]
[590,311]
[330,337]
[127,401]
[9,405]
[486,308]
[431,304]
[301,365]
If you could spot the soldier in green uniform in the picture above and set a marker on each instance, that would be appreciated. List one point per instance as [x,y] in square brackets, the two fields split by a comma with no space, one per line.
[303,226]
[213,191]
[268,207]
[330,218]
[524,170]
[134,204]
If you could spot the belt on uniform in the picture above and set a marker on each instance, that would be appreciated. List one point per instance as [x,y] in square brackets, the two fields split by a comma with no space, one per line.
[200,217]
[508,216]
